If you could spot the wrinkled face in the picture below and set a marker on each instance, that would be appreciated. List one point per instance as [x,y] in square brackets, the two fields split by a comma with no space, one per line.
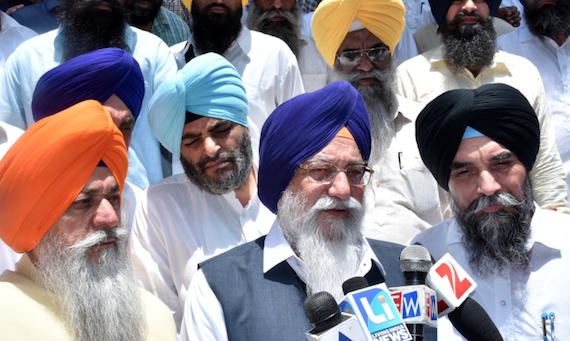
[122,117]
[468,6]
[483,167]
[96,207]
[341,152]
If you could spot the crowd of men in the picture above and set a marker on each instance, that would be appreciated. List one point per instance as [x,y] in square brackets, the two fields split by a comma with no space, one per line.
[196,169]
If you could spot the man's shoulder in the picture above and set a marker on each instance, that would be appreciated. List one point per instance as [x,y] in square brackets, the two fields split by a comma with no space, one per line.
[421,62]
[171,17]
[384,245]
[160,320]
[42,44]
[269,44]
[236,254]
[170,183]
[146,39]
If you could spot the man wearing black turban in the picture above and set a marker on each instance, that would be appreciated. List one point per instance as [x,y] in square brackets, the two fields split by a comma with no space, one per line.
[480,145]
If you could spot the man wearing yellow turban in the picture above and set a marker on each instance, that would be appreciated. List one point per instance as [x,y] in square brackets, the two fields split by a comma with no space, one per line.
[60,193]
[357,39]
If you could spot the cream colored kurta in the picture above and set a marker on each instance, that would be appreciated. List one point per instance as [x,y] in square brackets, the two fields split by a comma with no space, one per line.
[27,312]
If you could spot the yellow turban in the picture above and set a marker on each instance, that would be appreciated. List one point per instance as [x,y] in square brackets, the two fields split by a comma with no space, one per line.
[188,3]
[333,18]
[46,168]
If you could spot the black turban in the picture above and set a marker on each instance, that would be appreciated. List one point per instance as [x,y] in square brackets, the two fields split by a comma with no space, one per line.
[439,9]
[498,111]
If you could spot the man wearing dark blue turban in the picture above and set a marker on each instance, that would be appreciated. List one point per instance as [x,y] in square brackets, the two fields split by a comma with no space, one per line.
[313,172]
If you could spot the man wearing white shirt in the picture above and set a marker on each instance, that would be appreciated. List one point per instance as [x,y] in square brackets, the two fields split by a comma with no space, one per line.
[12,35]
[479,145]
[199,115]
[312,175]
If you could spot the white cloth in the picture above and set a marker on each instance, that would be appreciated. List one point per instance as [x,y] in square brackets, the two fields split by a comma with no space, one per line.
[406,47]
[42,53]
[418,14]
[306,27]
[426,76]
[203,315]
[268,69]
[553,63]
[516,303]
[406,197]
[12,34]
[312,65]
[177,225]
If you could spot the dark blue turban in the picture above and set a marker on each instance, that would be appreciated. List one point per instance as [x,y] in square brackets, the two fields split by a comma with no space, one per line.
[498,111]
[95,75]
[302,127]
[439,9]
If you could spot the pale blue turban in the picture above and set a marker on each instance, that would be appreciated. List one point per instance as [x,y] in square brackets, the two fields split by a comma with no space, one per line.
[207,86]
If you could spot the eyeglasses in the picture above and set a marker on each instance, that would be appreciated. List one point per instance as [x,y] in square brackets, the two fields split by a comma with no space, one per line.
[324,173]
[350,59]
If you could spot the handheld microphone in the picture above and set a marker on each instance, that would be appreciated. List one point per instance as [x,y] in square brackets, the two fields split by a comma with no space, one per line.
[473,322]
[328,321]
[374,309]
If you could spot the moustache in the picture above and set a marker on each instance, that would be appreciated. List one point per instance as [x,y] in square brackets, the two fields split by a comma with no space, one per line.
[210,6]
[101,236]
[227,155]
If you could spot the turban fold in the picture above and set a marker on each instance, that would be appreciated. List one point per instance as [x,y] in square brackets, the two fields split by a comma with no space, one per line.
[302,127]
[44,171]
[439,9]
[333,18]
[188,4]
[207,86]
[95,75]
[498,111]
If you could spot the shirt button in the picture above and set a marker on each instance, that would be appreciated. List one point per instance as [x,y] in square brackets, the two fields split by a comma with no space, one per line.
[503,303]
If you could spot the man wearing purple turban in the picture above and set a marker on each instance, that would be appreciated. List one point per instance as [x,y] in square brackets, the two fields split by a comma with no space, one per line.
[312,174]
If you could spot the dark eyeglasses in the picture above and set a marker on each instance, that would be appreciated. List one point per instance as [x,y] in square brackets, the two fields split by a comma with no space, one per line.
[350,59]
[324,173]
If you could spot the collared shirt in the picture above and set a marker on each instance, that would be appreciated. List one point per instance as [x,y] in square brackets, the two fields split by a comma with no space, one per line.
[516,302]
[40,17]
[269,71]
[405,198]
[12,35]
[418,14]
[170,27]
[177,225]
[42,53]
[553,63]
[179,9]
[312,65]
[426,76]
[203,315]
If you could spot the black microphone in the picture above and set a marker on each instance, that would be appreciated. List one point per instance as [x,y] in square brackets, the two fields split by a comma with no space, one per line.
[473,322]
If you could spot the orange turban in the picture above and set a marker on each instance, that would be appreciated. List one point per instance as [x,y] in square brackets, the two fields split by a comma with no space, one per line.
[188,4]
[44,171]
[333,19]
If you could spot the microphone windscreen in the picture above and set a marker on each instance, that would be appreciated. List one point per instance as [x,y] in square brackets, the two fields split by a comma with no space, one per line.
[415,258]
[473,322]
[353,284]
[322,311]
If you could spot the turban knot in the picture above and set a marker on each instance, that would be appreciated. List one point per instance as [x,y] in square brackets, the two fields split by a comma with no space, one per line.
[439,9]
[95,75]
[303,126]
[498,111]
[47,167]
[333,18]
[207,86]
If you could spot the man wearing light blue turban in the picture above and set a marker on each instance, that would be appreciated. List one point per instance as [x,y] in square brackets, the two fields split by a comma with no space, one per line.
[312,173]
[199,115]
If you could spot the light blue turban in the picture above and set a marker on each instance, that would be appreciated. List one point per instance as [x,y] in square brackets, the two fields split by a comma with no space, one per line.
[207,86]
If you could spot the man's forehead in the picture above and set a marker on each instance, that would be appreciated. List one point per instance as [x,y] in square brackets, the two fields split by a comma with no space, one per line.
[203,124]
[339,150]
[360,39]
[480,146]
[102,179]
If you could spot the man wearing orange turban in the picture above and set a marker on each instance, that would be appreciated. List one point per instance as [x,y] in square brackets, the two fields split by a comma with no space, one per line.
[60,192]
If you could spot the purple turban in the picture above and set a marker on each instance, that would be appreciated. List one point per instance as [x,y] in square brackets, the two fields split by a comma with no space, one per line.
[95,75]
[439,9]
[302,127]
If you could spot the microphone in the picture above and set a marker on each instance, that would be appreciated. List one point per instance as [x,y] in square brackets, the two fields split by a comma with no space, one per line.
[473,322]
[415,301]
[374,309]
[328,321]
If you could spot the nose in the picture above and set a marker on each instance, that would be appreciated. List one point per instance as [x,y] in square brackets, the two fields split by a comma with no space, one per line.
[469,6]
[106,216]
[277,4]
[210,147]
[365,64]
[487,185]
[340,187]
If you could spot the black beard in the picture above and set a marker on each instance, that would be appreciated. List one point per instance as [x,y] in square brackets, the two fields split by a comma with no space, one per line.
[469,44]
[214,32]
[287,30]
[548,21]
[496,242]
[88,29]
[241,157]
[142,16]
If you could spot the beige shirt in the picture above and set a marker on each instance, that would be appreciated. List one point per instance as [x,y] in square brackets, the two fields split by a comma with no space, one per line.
[426,76]
[28,313]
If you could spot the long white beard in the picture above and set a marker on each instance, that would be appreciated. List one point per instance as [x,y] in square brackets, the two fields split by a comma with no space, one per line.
[329,257]
[100,302]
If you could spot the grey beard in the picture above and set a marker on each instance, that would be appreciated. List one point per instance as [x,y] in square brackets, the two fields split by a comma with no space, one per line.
[329,257]
[469,44]
[549,21]
[100,302]
[288,30]
[381,103]
[496,242]
[242,158]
